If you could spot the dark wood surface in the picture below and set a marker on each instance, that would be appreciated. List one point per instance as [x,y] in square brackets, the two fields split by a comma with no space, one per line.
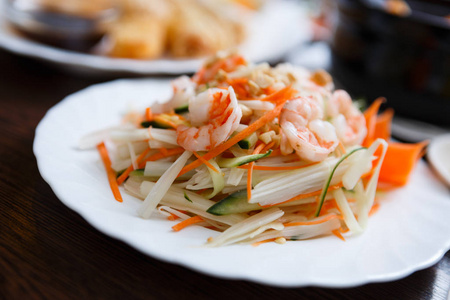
[48,251]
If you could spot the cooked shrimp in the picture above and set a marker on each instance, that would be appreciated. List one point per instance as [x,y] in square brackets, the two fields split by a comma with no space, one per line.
[214,115]
[312,138]
[347,119]
[183,89]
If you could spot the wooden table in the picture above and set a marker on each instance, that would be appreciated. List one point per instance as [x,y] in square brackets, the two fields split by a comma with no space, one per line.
[48,251]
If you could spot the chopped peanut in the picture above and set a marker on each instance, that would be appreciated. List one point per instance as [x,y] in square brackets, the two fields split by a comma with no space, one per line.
[280,240]
[266,137]
[321,77]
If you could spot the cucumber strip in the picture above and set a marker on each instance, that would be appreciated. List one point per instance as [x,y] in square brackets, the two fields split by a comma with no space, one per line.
[137,173]
[154,124]
[187,197]
[153,176]
[327,184]
[182,109]
[249,141]
[242,160]
[234,203]
[218,179]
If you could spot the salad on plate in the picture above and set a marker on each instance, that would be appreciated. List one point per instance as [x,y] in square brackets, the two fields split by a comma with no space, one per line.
[256,154]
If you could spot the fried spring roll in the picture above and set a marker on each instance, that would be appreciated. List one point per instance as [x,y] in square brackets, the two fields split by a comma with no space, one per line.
[140,36]
[198,31]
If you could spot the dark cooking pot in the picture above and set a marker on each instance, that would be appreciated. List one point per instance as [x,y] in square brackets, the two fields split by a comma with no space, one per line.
[403,58]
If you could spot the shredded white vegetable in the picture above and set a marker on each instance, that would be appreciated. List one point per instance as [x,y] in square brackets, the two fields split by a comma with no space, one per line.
[235,176]
[89,141]
[175,198]
[247,225]
[132,155]
[300,232]
[286,185]
[168,211]
[162,186]
[347,213]
[371,187]
[217,178]
[163,135]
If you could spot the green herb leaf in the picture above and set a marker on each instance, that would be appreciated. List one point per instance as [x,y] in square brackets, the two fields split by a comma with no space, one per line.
[327,185]
[187,198]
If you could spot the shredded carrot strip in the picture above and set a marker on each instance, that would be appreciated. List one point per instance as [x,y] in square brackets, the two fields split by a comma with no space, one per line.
[374,209]
[240,87]
[280,95]
[269,90]
[337,233]
[172,217]
[383,124]
[271,168]
[130,168]
[263,242]
[371,117]
[259,148]
[285,95]
[315,222]
[158,156]
[344,230]
[400,154]
[250,171]
[148,114]
[303,196]
[109,171]
[249,180]
[163,150]
[141,162]
[187,222]
[206,162]
[267,147]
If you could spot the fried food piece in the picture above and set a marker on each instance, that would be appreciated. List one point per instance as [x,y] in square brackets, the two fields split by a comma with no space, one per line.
[139,36]
[197,30]
[180,28]
[161,8]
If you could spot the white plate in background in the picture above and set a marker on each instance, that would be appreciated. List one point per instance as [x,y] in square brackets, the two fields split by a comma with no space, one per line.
[276,29]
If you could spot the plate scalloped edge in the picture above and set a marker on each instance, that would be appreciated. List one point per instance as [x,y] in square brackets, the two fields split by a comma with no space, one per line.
[418,212]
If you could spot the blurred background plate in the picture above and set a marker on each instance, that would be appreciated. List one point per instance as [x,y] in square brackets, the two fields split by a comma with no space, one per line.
[272,32]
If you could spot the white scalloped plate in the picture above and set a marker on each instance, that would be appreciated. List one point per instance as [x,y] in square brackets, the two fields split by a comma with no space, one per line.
[279,27]
[411,230]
